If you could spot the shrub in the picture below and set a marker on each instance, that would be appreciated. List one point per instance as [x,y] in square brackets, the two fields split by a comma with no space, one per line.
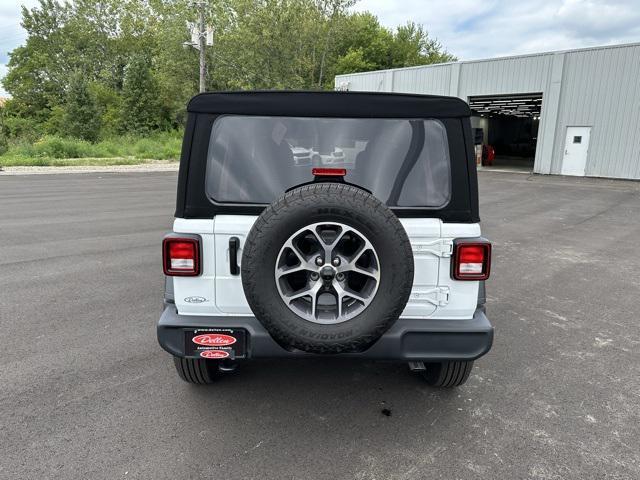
[165,146]
[123,150]
[18,127]
[57,147]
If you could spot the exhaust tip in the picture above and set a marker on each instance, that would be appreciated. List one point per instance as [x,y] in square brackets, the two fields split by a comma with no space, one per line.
[227,366]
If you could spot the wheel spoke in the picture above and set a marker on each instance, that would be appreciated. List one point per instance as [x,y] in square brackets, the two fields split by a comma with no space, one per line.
[356,256]
[307,292]
[366,272]
[351,264]
[287,270]
[343,293]
[360,270]
[340,294]
[314,299]
[355,296]
[366,246]
[348,293]
[342,233]
[304,263]
[328,247]
[295,250]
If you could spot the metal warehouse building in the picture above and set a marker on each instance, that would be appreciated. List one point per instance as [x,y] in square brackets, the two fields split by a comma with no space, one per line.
[575,112]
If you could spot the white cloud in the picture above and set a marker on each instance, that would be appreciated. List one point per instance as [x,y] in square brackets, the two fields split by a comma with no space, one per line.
[484,29]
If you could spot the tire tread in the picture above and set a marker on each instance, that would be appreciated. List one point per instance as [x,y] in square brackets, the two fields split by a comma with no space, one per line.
[196,371]
[448,374]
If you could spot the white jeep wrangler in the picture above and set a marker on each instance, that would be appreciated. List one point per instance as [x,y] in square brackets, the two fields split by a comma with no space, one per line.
[365,245]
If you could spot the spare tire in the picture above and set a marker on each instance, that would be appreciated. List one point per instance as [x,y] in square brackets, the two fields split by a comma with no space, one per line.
[327,268]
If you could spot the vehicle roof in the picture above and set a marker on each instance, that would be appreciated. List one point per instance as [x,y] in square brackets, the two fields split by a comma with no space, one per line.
[329,104]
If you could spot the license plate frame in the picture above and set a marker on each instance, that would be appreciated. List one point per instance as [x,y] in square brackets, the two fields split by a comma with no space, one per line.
[215,343]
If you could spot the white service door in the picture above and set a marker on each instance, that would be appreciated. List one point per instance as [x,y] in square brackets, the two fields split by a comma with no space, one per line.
[576,146]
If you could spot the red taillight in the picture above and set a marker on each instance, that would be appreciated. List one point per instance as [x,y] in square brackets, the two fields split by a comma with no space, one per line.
[471,260]
[329,172]
[181,256]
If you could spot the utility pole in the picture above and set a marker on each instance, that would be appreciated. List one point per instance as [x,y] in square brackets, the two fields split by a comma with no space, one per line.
[202,38]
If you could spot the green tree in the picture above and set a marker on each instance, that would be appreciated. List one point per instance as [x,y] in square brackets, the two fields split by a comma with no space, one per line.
[109,102]
[353,61]
[35,79]
[4,131]
[366,45]
[81,114]
[139,76]
[140,106]
[412,46]
[332,12]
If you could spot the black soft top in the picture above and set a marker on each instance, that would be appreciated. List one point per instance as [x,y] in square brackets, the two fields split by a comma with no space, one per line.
[205,108]
[329,104]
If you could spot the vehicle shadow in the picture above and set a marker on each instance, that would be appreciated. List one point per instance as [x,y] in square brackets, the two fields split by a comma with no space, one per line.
[316,385]
[333,406]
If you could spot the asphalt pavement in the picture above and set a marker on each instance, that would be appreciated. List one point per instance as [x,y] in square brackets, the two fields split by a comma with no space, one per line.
[87,393]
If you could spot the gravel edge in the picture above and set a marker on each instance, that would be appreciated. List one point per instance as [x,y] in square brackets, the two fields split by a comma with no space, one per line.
[144,167]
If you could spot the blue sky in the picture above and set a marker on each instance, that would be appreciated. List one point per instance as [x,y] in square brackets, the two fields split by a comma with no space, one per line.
[470,29]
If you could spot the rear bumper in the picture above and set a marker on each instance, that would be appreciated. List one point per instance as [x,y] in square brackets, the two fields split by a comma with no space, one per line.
[408,339]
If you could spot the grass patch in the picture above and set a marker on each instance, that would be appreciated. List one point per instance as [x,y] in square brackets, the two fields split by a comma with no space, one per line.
[126,150]
[19,161]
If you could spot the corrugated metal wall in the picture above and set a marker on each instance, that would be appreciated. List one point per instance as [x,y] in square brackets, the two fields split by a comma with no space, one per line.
[525,75]
[597,87]
[366,82]
[601,89]
[413,80]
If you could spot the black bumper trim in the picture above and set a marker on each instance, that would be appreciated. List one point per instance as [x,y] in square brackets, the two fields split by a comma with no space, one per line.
[408,339]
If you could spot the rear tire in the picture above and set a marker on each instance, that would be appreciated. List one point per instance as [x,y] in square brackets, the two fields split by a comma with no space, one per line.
[447,374]
[196,371]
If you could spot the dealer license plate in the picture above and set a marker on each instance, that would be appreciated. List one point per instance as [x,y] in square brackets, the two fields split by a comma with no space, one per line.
[215,343]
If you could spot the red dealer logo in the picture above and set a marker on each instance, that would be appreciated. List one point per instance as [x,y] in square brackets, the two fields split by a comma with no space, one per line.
[213,339]
[214,354]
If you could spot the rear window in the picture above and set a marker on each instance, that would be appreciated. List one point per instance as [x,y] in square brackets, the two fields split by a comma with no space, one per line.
[254,159]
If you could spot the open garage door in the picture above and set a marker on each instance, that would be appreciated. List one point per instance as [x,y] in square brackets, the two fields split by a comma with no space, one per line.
[509,129]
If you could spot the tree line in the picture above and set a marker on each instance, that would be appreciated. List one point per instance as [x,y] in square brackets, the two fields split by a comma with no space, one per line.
[94,69]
